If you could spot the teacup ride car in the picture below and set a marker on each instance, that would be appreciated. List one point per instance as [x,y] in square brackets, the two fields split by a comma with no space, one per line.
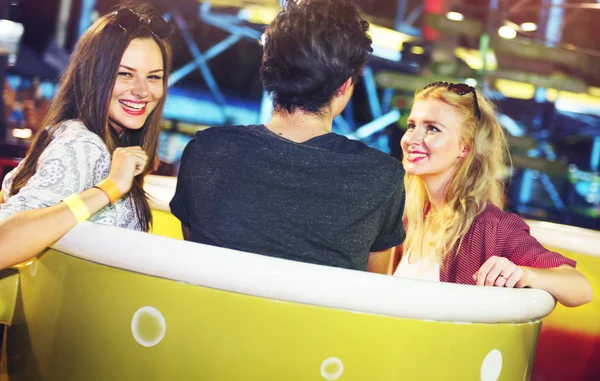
[569,343]
[106,303]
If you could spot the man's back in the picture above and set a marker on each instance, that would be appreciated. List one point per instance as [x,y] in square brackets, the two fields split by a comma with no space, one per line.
[329,200]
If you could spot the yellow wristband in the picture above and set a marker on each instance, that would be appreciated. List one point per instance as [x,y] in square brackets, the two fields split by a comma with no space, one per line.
[77,206]
[110,188]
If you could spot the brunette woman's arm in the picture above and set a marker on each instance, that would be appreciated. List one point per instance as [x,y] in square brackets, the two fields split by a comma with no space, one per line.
[26,233]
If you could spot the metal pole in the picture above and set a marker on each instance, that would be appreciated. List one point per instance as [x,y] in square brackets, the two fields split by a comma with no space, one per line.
[85,16]
[3,62]
[371,88]
[550,31]
[266,108]
[550,22]
[201,64]
[555,21]
[62,22]
[595,156]
[400,12]
[484,40]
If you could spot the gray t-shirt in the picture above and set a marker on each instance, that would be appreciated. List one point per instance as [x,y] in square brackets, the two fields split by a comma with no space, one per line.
[329,200]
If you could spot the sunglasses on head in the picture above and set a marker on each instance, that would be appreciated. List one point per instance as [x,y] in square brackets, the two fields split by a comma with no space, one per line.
[460,89]
[129,21]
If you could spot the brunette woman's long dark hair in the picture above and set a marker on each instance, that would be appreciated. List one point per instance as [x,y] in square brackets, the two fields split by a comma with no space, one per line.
[85,91]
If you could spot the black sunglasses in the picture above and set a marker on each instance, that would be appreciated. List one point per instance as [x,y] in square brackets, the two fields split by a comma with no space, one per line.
[129,21]
[460,89]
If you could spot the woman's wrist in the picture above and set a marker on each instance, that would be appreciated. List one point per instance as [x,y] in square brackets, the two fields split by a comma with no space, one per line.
[111,189]
[78,207]
[528,278]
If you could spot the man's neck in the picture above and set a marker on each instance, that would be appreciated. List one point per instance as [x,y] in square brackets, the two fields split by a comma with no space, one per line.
[299,126]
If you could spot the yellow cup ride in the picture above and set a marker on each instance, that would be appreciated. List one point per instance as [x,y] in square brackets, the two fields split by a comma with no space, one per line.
[110,304]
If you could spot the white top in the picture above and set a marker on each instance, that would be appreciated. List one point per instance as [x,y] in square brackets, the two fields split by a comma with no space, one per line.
[422,269]
[75,160]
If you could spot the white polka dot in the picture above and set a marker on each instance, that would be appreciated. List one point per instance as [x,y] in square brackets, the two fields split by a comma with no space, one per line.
[332,368]
[148,326]
[491,366]
[33,269]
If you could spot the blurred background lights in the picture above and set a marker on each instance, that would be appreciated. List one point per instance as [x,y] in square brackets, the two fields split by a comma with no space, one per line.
[455,16]
[528,27]
[507,32]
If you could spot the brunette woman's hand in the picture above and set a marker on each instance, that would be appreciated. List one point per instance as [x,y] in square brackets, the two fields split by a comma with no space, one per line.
[127,163]
[500,272]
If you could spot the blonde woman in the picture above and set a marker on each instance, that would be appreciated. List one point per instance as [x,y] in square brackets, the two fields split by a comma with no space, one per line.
[453,151]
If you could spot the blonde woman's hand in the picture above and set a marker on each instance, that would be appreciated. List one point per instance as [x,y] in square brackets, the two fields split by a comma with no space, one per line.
[127,163]
[500,272]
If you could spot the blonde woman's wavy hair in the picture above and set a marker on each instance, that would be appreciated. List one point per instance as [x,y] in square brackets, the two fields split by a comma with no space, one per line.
[477,179]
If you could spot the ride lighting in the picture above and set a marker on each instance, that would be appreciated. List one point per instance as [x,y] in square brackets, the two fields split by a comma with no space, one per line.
[21,133]
[10,36]
[529,27]
[386,53]
[258,14]
[472,57]
[507,32]
[471,82]
[455,16]
[582,103]
[388,40]
[417,50]
[514,89]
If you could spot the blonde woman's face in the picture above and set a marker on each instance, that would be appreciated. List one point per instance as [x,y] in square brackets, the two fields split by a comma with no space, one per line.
[139,85]
[432,146]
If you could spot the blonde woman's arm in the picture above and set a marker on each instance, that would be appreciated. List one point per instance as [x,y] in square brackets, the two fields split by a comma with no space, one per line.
[570,287]
[25,233]
[524,262]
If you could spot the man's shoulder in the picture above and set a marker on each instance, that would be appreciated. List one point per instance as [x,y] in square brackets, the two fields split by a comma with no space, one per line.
[220,136]
[359,147]
[336,147]
[381,162]
[218,131]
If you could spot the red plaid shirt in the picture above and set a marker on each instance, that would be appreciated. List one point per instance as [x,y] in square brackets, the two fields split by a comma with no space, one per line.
[498,233]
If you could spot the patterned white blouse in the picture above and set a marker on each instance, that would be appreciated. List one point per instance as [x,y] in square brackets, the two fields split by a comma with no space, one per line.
[75,160]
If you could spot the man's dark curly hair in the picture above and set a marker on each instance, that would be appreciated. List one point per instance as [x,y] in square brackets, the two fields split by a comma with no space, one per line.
[311,48]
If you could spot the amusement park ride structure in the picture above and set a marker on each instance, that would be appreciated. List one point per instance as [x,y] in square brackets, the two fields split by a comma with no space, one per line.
[404,58]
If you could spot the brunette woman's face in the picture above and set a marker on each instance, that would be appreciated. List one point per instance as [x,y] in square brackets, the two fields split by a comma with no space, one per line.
[138,87]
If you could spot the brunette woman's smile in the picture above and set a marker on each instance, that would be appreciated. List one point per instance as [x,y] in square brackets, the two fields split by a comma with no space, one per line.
[138,87]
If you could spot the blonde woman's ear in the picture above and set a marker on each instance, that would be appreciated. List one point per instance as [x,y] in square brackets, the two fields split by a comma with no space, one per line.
[464,152]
